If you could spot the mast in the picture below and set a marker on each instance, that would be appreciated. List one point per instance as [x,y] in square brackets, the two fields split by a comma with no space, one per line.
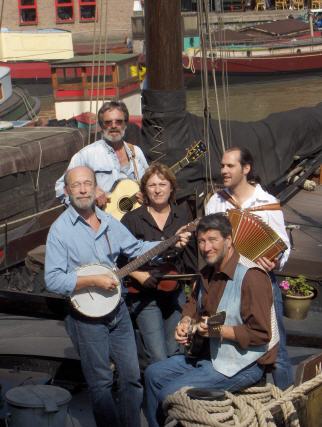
[163,37]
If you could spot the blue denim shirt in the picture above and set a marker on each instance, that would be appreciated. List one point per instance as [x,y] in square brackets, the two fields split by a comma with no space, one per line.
[71,243]
[101,157]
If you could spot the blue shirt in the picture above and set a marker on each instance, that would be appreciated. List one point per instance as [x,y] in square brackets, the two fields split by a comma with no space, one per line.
[72,243]
[101,157]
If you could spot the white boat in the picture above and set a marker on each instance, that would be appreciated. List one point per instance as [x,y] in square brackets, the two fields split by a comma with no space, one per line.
[15,102]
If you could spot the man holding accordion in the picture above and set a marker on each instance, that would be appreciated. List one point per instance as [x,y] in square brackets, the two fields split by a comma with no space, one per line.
[242,192]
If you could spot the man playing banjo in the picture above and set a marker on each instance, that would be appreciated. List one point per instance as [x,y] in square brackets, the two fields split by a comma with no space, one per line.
[83,235]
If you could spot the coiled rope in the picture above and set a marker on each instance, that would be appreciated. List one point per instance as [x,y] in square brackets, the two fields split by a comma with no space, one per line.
[249,408]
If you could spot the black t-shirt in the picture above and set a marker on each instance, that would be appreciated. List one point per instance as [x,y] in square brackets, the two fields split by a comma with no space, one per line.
[142,226]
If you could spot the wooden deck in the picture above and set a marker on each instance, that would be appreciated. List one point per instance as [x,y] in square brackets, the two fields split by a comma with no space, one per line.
[304,212]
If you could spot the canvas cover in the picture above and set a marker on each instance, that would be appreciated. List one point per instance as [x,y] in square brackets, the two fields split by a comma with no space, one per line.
[31,160]
[168,129]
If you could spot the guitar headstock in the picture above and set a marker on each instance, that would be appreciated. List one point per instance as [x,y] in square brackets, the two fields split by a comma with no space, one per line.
[191,226]
[195,151]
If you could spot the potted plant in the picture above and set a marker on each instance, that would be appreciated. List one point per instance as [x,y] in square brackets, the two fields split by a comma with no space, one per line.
[297,296]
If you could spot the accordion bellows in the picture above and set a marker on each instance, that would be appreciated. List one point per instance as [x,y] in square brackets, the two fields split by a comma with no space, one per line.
[252,237]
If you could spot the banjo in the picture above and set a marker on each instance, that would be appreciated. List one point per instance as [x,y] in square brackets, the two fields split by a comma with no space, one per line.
[97,302]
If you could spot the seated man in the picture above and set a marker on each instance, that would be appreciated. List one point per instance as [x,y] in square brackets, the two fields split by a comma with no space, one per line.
[239,350]
[243,191]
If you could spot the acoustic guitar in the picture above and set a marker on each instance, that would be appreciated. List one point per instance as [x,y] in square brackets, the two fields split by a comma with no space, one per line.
[196,343]
[122,197]
[96,302]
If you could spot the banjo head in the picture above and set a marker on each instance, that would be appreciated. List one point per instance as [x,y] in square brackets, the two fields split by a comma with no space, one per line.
[96,302]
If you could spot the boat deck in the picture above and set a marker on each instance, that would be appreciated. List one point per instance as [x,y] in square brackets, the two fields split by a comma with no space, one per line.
[304,212]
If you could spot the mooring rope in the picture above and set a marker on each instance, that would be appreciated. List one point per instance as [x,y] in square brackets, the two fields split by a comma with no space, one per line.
[249,408]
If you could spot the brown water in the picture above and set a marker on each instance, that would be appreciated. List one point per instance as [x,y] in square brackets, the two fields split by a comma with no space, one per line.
[249,99]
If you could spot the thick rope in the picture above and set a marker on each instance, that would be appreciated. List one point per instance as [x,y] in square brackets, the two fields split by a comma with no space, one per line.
[249,408]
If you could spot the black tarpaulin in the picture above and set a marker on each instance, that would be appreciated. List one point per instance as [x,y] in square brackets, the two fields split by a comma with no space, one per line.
[168,129]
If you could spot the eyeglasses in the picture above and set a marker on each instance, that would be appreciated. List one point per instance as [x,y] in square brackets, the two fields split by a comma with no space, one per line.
[78,184]
[109,123]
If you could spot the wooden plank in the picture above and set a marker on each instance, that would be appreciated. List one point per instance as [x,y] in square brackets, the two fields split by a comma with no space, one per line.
[308,369]
[314,408]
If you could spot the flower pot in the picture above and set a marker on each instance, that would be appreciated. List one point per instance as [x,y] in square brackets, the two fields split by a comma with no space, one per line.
[296,307]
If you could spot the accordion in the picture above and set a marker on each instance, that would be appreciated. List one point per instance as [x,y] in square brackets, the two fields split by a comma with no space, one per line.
[252,237]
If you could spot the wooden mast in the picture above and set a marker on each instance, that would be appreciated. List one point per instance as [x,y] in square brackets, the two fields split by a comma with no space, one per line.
[163,37]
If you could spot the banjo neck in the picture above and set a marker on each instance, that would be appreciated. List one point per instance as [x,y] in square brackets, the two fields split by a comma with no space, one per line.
[151,253]
[141,260]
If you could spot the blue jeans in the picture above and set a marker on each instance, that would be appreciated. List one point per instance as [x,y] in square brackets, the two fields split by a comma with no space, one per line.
[156,316]
[166,377]
[98,340]
[282,372]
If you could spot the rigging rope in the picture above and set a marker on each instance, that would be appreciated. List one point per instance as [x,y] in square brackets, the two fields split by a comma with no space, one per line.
[92,76]
[208,53]
[98,78]
[32,115]
[204,87]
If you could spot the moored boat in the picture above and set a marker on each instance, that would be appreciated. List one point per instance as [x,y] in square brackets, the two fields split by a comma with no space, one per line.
[27,53]
[15,102]
[31,161]
[83,83]
[286,57]
[286,46]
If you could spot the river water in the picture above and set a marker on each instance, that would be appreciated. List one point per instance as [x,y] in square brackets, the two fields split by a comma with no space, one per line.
[246,98]
[254,98]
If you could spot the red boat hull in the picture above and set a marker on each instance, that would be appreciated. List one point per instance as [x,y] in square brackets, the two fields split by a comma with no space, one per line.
[260,65]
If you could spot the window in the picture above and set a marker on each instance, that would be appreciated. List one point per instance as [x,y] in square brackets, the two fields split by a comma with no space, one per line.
[87,10]
[27,12]
[64,11]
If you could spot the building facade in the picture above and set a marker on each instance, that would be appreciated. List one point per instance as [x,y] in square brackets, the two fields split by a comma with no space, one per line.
[81,17]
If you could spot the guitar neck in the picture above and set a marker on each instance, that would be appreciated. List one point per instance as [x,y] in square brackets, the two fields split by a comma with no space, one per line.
[179,165]
[141,260]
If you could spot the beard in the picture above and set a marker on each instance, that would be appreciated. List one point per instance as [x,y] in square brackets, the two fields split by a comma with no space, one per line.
[113,137]
[215,259]
[83,204]
[218,258]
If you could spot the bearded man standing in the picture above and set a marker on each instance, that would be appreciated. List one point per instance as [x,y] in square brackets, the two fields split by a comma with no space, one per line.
[83,235]
[111,158]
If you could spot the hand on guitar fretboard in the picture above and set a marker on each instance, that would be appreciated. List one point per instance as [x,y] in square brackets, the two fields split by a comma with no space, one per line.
[197,332]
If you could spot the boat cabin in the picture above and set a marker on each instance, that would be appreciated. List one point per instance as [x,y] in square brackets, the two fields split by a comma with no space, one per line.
[5,84]
[83,83]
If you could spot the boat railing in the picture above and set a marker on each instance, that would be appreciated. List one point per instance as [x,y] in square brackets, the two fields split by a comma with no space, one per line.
[291,47]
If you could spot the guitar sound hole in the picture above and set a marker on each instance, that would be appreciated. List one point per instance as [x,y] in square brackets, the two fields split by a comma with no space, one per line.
[126,204]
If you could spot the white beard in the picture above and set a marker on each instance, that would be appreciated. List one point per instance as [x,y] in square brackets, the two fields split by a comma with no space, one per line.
[114,138]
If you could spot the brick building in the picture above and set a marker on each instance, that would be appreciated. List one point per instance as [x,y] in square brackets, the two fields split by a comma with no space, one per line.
[78,16]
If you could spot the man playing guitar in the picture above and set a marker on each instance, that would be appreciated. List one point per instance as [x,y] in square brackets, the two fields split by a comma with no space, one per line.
[242,191]
[111,158]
